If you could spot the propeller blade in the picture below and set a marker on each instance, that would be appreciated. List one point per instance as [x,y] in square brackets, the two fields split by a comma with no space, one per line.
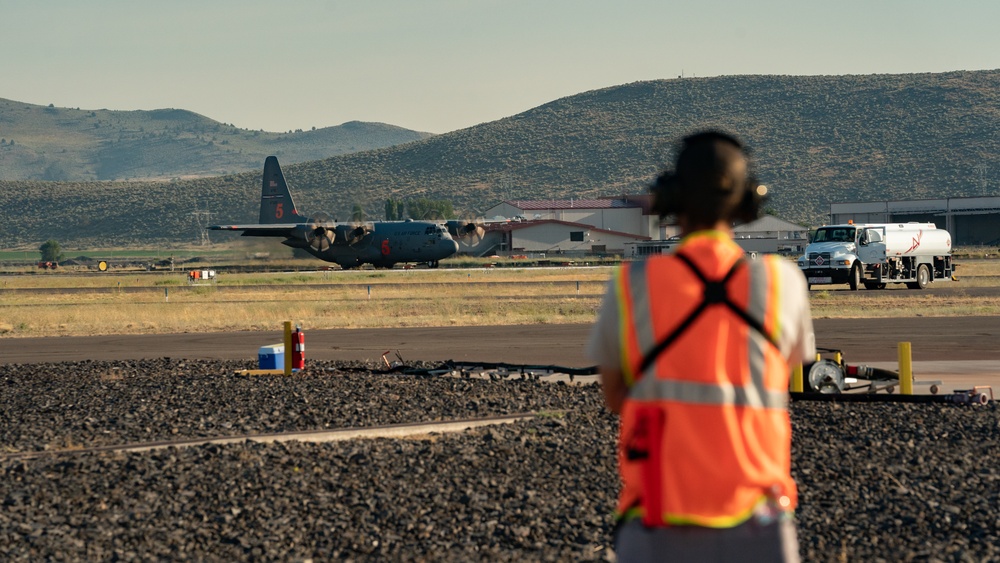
[320,238]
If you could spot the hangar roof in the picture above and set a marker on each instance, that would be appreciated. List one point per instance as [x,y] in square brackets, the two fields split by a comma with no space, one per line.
[617,202]
[534,205]
[768,223]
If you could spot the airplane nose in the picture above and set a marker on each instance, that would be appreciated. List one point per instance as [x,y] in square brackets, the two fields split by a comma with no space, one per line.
[454,246]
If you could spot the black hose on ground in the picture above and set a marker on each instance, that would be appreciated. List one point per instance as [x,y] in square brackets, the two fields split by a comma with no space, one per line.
[953,398]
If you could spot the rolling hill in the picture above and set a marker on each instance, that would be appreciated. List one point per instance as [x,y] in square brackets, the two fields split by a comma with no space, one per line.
[816,140]
[63,144]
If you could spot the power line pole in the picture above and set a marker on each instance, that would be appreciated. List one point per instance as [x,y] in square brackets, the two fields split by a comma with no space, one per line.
[202,219]
[984,183]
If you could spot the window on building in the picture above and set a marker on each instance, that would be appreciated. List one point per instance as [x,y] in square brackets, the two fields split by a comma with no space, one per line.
[576,236]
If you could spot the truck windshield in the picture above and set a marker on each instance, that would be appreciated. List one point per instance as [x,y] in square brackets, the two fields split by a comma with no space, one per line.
[834,234]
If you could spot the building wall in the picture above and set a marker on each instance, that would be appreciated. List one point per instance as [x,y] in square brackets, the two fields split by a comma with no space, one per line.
[623,220]
[555,238]
[770,235]
[665,231]
[976,229]
[845,217]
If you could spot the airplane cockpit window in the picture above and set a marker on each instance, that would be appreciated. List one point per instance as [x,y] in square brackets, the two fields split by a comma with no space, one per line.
[429,231]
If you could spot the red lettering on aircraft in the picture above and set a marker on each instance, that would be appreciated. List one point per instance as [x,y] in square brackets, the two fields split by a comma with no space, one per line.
[385,247]
[279,211]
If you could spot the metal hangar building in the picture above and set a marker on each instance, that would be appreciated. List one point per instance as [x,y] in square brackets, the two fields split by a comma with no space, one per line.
[970,220]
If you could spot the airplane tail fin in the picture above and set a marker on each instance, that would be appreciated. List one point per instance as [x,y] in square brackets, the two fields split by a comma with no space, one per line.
[276,205]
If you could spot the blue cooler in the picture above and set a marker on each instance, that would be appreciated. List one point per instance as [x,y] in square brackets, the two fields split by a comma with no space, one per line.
[271,356]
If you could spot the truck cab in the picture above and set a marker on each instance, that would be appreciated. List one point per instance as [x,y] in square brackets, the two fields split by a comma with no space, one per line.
[876,254]
[830,257]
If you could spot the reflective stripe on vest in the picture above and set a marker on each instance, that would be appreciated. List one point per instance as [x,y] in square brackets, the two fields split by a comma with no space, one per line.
[754,396]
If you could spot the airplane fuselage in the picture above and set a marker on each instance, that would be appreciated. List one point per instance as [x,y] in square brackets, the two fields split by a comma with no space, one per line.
[388,243]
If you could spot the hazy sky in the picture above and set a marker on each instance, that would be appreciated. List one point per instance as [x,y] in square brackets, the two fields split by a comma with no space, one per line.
[442,65]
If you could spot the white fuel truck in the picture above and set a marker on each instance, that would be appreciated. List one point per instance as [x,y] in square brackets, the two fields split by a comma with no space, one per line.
[876,254]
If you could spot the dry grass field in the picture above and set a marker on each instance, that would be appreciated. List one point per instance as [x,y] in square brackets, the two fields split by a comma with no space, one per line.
[65,303]
[88,305]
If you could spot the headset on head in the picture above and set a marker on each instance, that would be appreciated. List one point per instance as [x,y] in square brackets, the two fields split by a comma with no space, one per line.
[668,186]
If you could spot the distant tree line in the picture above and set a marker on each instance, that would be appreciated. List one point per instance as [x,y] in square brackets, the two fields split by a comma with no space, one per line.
[51,251]
[421,209]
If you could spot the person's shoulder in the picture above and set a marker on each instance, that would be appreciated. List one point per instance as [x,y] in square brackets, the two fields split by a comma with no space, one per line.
[782,262]
[786,268]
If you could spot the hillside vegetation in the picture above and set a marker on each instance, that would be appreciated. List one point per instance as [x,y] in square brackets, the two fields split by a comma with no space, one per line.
[816,140]
[62,144]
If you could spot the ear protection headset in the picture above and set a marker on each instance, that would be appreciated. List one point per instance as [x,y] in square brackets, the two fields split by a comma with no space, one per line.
[668,187]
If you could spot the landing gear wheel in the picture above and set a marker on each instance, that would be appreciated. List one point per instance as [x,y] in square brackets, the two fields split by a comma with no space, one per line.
[855,279]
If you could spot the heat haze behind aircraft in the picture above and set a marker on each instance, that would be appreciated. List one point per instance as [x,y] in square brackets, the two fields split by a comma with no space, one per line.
[380,243]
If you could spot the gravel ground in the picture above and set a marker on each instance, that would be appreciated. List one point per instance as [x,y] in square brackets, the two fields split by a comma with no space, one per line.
[81,404]
[885,482]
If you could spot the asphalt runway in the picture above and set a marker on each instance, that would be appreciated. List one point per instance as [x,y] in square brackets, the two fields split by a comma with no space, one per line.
[960,352]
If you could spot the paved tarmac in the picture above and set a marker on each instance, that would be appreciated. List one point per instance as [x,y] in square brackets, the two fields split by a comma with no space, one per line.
[961,351]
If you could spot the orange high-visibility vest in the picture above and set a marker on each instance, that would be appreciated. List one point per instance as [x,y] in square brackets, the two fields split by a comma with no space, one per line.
[705,435]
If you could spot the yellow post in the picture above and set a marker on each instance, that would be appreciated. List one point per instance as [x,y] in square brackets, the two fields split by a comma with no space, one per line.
[797,379]
[288,347]
[905,369]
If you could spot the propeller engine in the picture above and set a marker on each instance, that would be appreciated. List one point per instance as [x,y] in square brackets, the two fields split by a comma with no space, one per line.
[315,234]
[350,234]
[467,232]
[320,238]
[319,234]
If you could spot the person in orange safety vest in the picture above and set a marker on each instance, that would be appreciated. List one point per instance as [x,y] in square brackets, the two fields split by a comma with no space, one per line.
[695,349]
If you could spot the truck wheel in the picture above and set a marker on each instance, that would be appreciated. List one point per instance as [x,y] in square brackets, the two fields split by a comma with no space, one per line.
[923,278]
[855,280]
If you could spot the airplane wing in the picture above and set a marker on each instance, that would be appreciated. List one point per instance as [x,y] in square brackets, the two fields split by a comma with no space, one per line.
[321,235]
[269,230]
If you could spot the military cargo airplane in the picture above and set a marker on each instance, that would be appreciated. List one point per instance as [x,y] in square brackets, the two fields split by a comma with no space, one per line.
[380,243]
